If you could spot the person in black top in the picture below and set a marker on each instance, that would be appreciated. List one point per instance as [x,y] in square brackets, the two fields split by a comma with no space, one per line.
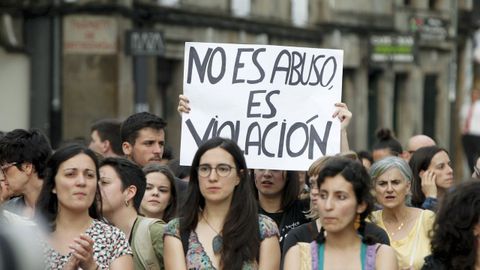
[277,193]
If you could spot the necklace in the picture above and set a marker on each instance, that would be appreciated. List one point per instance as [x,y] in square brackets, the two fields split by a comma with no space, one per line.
[398,229]
[217,241]
[405,220]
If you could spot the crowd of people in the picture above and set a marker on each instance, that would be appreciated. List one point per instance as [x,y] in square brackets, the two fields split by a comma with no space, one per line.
[123,202]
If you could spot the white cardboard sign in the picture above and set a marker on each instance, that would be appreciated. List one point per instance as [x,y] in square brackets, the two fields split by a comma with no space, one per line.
[276,102]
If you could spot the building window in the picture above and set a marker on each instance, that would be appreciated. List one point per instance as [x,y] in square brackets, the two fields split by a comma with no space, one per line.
[432,4]
[241,8]
[299,12]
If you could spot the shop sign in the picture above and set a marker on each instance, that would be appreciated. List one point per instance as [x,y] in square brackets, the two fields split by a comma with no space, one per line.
[429,28]
[145,42]
[392,48]
[89,34]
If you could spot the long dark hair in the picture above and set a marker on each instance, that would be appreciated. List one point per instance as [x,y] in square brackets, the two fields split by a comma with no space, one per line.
[420,161]
[355,174]
[171,211]
[290,190]
[453,241]
[47,204]
[241,240]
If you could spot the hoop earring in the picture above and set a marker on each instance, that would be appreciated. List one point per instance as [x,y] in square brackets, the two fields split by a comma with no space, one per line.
[126,203]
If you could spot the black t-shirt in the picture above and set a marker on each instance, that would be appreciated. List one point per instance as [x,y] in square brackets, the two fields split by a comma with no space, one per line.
[290,218]
[308,232]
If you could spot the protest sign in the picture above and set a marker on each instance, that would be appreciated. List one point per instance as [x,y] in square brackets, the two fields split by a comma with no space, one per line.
[276,102]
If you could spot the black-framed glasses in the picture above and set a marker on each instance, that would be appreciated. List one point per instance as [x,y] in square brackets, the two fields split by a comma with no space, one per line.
[222,170]
[4,167]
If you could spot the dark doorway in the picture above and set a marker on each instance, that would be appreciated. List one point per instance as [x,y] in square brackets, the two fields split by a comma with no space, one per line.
[400,87]
[430,90]
[373,90]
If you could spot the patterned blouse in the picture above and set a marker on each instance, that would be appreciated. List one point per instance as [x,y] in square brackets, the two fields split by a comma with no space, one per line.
[109,244]
[198,259]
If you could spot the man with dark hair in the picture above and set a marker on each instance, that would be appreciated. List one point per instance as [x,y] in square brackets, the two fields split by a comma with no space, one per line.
[143,138]
[23,159]
[105,138]
[143,141]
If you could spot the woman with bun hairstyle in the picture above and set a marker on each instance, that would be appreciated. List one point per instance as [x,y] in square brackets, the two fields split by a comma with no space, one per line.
[386,145]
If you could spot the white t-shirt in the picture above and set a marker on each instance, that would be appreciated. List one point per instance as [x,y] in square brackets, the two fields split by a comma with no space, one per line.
[475,120]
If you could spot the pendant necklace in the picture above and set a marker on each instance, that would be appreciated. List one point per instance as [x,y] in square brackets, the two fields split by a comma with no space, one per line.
[405,220]
[398,229]
[217,241]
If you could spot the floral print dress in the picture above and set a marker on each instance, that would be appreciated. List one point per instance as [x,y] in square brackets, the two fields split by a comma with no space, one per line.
[109,244]
[196,256]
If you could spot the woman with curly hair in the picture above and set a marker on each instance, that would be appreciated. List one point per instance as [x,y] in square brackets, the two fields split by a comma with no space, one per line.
[343,203]
[456,231]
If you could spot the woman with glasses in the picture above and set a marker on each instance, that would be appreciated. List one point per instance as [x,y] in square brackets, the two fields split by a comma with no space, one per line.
[432,176]
[277,190]
[219,225]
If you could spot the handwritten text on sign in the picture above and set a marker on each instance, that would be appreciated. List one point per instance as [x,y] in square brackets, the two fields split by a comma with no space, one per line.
[275,102]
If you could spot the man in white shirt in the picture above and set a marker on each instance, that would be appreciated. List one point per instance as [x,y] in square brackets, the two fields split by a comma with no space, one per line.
[471,128]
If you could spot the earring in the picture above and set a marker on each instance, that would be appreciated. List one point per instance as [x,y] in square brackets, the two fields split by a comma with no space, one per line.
[126,203]
[357,222]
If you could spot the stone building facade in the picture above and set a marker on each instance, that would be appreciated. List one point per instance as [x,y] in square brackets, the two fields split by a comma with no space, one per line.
[403,61]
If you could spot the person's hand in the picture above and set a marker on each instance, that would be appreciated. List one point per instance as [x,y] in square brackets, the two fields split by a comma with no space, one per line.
[72,264]
[183,104]
[429,185]
[343,114]
[82,250]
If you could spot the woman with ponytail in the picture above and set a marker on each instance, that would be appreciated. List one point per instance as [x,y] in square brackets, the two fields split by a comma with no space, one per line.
[407,227]
[343,203]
